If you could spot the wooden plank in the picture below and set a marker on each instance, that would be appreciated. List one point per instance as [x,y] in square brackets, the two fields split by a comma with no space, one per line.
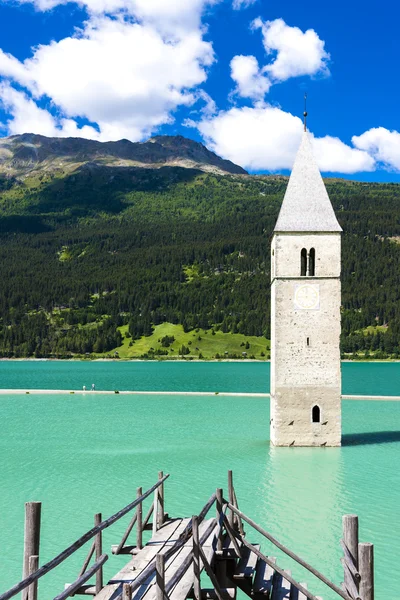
[263,578]
[209,594]
[247,564]
[160,542]
[175,561]
[184,586]
[182,569]
[164,538]
[281,587]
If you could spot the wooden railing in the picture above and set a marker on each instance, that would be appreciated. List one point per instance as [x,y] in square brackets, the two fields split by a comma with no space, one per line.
[358,581]
[227,525]
[28,585]
[156,566]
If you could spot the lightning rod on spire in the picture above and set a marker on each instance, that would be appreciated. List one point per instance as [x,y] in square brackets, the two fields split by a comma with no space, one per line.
[305,111]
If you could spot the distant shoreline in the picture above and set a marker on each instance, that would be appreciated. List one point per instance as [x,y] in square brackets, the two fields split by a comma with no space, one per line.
[180,360]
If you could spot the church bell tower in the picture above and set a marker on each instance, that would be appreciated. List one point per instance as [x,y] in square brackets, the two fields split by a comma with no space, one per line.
[305,312]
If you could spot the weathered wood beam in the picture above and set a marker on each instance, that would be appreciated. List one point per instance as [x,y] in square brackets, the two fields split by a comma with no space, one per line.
[33,512]
[98,547]
[366,567]
[33,588]
[160,577]
[350,541]
[139,521]
[196,559]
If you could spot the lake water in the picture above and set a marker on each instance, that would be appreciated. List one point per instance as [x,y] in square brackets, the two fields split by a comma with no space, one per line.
[84,454]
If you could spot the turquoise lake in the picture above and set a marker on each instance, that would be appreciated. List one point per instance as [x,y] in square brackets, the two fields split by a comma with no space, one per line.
[85,454]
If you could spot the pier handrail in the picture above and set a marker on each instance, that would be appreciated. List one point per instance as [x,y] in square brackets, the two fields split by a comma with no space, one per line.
[287,551]
[78,544]
[183,538]
[71,589]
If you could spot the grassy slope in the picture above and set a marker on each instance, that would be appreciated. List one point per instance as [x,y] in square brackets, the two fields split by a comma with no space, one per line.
[209,346]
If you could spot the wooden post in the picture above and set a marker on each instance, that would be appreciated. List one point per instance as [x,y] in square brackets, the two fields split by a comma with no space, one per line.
[126,592]
[160,576]
[231,516]
[219,495]
[221,564]
[350,539]
[33,588]
[31,537]
[160,514]
[366,569]
[139,521]
[155,511]
[196,558]
[98,549]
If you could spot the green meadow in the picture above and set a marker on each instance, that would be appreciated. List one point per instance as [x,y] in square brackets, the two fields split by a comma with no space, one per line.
[198,343]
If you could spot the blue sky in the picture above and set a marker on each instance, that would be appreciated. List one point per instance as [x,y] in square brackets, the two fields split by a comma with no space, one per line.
[229,73]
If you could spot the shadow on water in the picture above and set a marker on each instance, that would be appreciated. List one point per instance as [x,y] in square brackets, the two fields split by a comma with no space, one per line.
[371,437]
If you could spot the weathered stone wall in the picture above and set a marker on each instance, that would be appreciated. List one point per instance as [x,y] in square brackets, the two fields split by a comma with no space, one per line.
[287,249]
[292,424]
[305,351]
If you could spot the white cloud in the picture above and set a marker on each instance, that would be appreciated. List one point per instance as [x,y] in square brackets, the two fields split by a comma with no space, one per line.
[334,155]
[255,138]
[382,144]
[125,76]
[239,4]
[267,139]
[297,52]
[169,16]
[27,117]
[251,83]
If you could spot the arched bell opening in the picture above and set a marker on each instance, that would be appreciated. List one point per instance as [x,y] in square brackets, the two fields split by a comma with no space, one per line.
[316,414]
[311,263]
[303,263]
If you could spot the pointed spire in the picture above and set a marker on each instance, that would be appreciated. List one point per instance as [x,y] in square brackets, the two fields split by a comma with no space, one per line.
[306,205]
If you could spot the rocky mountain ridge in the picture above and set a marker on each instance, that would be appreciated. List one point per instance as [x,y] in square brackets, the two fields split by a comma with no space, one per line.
[21,154]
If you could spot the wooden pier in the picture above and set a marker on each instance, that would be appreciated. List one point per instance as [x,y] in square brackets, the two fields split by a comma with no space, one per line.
[170,565]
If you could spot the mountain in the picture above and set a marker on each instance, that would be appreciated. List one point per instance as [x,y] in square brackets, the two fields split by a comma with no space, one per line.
[96,252]
[20,154]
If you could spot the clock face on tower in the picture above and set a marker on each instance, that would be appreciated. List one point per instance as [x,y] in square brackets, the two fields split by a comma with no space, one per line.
[306,296]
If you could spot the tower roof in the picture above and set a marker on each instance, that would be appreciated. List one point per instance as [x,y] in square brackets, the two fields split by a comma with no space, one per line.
[306,205]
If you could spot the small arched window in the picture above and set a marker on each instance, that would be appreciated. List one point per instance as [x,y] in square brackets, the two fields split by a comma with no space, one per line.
[311,263]
[316,414]
[303,263]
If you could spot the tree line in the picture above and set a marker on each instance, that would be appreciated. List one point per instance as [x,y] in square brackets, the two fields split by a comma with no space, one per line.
[87,252]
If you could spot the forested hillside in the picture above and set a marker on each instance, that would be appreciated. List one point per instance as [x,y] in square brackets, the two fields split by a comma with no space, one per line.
[90,256]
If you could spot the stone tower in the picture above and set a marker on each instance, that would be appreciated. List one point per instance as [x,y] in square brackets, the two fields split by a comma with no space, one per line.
[305,312]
